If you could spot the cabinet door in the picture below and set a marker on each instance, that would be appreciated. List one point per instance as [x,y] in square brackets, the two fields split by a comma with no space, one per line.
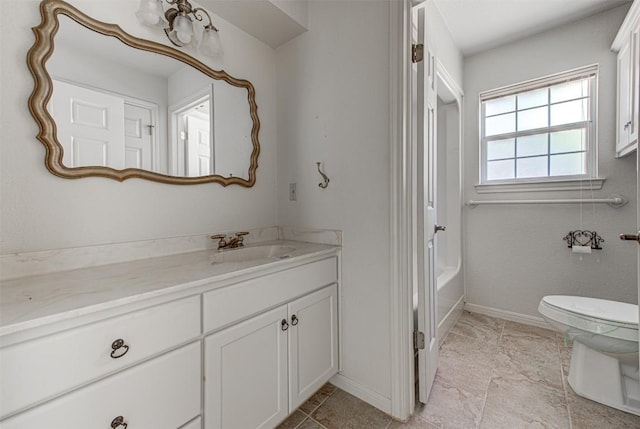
[313,343]
[246,374]
[624,99]
[633,87]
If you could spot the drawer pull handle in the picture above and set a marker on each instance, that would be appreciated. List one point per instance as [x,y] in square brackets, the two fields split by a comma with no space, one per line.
[284,325]
[117,345]
[117,422]
[294,320]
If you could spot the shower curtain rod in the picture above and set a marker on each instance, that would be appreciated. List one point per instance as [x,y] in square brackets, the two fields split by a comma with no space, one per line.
[614,201]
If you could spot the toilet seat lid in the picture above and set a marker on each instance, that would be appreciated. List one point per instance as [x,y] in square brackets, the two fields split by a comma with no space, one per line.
[605,310]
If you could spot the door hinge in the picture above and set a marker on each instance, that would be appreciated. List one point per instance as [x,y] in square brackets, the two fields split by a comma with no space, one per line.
[417,53]
[418,340]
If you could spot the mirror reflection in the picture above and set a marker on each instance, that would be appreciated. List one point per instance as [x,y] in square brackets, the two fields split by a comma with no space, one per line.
[129,108]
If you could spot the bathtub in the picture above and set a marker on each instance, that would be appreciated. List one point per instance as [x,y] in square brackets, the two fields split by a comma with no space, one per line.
[450,298]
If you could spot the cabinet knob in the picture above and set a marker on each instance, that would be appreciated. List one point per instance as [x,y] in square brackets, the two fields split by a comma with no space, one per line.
[119,348]
[294,320]
[117,422]
[284,325]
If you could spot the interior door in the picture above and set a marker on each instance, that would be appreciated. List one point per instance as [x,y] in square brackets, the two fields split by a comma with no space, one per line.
[90,126]
[198,147]
[425,79]
[139,130]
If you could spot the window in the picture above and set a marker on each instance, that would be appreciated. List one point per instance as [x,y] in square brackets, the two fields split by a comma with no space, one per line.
[540,130]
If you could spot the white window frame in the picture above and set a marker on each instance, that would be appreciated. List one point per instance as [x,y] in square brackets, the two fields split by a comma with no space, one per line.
[589,180]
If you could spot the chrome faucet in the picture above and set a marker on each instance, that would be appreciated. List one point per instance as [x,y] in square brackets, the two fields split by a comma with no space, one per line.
[230,243]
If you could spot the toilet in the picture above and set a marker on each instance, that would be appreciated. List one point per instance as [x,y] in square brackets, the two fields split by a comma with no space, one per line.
[604,359]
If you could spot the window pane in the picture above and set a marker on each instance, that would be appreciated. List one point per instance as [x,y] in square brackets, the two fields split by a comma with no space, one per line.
[500,124]
[534,98]
[532,167]
[570,112]
[570,90]
[534,118]
[568,164]
[497,170]
[532,145]
[500,149]
[568,141]
[500,105]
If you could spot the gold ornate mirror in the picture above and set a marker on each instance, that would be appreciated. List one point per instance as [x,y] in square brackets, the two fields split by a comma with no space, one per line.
[112,105]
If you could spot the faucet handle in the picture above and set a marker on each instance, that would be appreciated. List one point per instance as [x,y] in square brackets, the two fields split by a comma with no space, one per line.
[241,233]
[218,237]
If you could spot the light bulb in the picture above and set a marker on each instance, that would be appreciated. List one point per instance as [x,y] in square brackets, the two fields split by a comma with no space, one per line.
[183,29]
[150,12]
[210,44]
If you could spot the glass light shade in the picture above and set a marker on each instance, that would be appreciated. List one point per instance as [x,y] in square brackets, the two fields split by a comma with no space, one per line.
[210,44]
[151,13]
[183,29]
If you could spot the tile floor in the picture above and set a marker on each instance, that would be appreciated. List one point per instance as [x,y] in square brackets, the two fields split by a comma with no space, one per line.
[492,374]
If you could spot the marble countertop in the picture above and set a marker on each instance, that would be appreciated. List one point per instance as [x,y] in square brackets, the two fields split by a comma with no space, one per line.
[29,302]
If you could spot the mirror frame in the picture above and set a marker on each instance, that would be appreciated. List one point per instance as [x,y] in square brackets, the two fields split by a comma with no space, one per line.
[42,50]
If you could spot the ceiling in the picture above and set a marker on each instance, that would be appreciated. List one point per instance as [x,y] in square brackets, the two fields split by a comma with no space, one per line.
[478,25]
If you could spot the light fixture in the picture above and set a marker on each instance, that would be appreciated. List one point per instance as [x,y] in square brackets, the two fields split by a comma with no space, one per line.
[180,26]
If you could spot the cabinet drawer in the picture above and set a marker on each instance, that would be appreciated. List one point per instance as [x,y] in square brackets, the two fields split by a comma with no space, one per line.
[163,393]
[39,369]
[224,306]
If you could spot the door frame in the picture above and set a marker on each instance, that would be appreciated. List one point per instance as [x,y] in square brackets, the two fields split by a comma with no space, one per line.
[176,149]
[401,216]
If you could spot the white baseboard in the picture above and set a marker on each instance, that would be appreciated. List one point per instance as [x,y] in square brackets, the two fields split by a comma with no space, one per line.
[507,315]
[361,392]
[450,320]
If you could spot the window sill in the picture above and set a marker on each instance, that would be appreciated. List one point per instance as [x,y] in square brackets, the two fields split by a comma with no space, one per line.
[540,186]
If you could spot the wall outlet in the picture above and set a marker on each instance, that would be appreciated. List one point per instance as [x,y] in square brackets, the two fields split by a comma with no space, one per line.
[293,194]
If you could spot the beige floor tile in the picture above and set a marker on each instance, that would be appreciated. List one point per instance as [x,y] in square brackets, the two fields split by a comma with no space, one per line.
[587,414]
[479,327]
[521,404]
[413,423]
[466,363]
[531,358]
[318,398]
[565,346]
[343,411]
[452,407]
[515,328]
[293,420]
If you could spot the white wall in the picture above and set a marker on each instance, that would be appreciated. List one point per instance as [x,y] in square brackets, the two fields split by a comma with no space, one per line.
[333,106]
[445,49]
[40,211]
[515,254]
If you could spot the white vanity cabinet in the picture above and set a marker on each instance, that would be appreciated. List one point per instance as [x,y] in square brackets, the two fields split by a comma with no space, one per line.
[237,349]
[628,87]
[259,371]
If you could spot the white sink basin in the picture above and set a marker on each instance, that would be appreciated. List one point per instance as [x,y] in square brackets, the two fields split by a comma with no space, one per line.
[244,254]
